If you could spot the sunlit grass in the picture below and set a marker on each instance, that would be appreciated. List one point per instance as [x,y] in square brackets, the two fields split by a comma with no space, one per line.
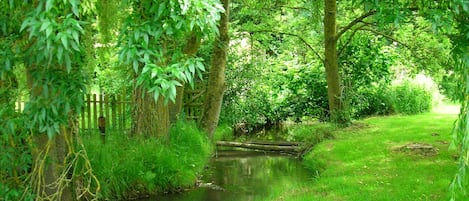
[360,163]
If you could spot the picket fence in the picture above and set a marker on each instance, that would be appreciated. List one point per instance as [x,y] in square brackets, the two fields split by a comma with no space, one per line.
[117,110]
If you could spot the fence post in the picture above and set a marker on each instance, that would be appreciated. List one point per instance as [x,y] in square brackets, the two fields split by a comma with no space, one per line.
[113,112]
[95,112]
[88,101]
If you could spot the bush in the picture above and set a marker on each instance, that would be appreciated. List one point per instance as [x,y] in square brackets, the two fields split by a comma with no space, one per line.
[372,100]
[130,166]
[409,98]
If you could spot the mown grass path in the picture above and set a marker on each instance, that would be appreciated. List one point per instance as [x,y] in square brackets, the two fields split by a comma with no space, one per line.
[361,163]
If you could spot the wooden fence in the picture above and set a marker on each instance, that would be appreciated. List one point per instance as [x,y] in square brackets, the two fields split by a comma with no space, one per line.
[117,110]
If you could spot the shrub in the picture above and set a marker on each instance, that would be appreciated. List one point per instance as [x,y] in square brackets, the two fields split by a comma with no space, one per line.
[372,100]
[409,98]
[130,166]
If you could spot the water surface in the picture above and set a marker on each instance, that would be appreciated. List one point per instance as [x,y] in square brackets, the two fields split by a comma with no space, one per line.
[247,176]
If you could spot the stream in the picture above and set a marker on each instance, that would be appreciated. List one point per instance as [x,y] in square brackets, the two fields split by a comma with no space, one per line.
[244,175]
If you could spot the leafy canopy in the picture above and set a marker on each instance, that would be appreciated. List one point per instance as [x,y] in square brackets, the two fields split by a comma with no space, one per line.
[151,41]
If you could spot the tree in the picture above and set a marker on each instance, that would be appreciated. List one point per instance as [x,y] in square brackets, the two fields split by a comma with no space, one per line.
[216,81]
[53,54]
[331,63]
[150,43]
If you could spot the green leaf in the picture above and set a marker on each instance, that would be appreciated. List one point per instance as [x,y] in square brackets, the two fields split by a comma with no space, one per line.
[172,93]
[75,37]
[50,132]
[68,62]
[24,25]
[191,68]
[200,65]
[164,85]
[135,66]
[156,95]
[43,114]
[191,26]
[176,83]
[49,31]
[179,25]
[64,40]
[161,9]
[146,68]
[74,7]
[74,46]
[60,51]
[145,39]
[49,4]
[136,35]
[44,25]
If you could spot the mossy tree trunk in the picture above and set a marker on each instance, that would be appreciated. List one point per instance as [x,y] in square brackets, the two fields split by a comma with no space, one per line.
[50,153]
[331,61]
[150,117]
[216,81]
[154,118]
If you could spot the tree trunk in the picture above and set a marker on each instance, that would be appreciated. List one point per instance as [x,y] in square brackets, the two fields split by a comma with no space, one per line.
[53,165]
[154,118]
[49,155]
[150,117]
[162,119]
[331,60]
[176,107]
[216,81]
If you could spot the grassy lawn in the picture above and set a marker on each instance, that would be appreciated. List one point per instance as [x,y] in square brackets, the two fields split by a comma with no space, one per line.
[362,163]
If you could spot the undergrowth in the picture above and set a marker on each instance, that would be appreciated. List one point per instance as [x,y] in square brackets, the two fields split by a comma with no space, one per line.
[129,167]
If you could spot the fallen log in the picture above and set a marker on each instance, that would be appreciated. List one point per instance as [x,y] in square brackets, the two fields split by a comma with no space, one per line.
[262,147]
[278,143]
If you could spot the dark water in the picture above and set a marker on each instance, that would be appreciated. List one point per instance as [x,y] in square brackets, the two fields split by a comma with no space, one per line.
[246,176]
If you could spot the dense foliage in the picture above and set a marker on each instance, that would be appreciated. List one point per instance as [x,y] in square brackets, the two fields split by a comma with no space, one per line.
[52,51]
[150,42]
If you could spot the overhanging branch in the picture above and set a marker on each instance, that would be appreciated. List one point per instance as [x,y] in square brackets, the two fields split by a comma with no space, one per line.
[349,40]
[354,22]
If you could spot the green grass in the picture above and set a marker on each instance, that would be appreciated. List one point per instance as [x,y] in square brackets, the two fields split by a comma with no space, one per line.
[360,164]
[129,167]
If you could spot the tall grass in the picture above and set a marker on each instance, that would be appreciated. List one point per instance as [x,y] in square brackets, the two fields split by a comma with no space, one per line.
[129,167]
[410,98]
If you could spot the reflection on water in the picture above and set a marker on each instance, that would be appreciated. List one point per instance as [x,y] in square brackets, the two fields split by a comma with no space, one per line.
[244,176]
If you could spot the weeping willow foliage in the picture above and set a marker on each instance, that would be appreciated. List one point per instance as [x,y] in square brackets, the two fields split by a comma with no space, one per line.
[459,36]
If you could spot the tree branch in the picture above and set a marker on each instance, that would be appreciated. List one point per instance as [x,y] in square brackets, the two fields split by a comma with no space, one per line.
[295,35]
[354,22]
[350,39]
[385,35]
